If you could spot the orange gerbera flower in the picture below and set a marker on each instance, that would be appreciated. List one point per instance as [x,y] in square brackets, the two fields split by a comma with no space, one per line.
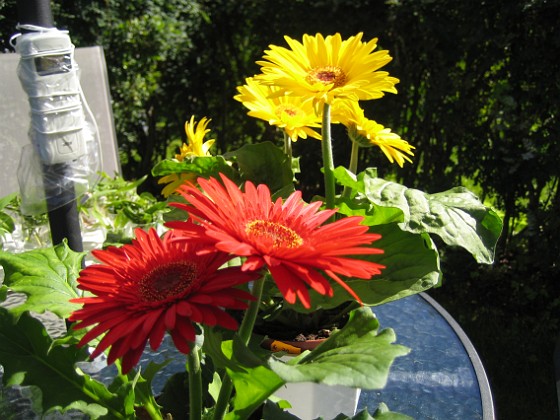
[287,237]
[152,286]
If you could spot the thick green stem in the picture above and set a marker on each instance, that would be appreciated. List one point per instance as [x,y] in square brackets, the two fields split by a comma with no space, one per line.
[328,163]
[245,331]
[195,384]
[352,167]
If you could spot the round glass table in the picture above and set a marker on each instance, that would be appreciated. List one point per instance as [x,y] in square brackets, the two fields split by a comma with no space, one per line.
[442,377]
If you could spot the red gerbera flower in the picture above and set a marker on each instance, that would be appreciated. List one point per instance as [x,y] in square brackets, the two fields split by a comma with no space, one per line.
[288,237]
[155,285]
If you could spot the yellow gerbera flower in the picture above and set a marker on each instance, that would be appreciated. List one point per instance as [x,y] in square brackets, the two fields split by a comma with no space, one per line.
[328,68]
[196,147]
[195,138]
[368,133]
[290,113]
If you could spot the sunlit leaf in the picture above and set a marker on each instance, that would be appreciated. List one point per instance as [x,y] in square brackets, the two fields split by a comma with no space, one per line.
[359,356]
[47,276]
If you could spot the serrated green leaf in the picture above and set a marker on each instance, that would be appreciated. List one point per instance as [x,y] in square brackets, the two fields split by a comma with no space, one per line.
[357,356]
[94,411]
[47,276]
[28,358]
[457,216]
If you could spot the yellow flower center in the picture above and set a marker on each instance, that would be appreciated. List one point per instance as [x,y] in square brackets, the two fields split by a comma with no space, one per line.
[327,75]
[281,236]
[167,280]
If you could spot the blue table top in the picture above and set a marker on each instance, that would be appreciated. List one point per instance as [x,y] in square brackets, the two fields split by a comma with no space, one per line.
[442,377]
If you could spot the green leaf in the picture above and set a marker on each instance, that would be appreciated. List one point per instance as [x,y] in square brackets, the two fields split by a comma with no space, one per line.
[411,265]
[173,397]
[212,347]
[205,166]
[28,358]
[254,383]
[264,163]
[7,199]
[47,276]
[272,410]
[7,224]
[372,214]
[143,384]
[457,216]
[382,413]
[356,356]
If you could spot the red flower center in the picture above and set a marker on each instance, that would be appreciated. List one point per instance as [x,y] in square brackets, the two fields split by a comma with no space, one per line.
[167,280]
[327,75]
[280,235]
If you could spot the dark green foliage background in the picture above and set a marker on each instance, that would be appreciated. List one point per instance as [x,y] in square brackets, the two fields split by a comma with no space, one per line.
[479,97]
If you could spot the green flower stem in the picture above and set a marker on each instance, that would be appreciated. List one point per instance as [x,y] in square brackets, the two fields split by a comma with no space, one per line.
[195,384]
[245,331]
[328,163]
[287,145]
[352,167]
[152,410]
[246,328]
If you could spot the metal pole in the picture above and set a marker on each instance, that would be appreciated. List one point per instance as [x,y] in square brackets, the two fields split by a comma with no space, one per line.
[61,197]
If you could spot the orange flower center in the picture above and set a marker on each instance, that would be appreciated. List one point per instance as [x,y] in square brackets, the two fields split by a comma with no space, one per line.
[280,235]
[327,75]
[167,280]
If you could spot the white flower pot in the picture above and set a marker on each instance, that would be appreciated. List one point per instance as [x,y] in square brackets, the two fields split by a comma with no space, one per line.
[310,400]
